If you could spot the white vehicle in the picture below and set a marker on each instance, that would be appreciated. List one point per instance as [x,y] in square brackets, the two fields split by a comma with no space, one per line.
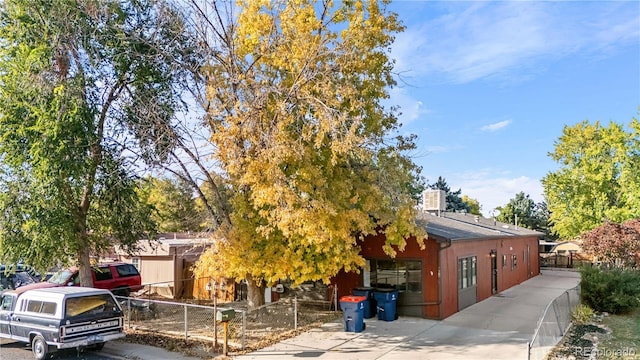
[59,318]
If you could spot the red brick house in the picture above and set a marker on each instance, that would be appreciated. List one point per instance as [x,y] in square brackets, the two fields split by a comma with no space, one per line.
[466,259]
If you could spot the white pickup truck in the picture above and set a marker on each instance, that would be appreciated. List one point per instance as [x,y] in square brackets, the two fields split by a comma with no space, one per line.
[60,318]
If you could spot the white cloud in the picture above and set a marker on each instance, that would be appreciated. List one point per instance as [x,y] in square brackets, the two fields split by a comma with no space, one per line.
[511,39]
[496,126]
[493,188]
[411,108]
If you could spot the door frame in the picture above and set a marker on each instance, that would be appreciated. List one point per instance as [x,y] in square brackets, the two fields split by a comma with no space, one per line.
[494,271]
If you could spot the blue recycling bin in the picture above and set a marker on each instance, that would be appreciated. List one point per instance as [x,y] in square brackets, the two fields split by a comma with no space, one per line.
[353,313]
[370,304]
[387,300]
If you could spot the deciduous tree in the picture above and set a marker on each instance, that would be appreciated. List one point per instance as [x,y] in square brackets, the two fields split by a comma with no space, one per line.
[313,158]
[175,206]
[598,178]
[521,210]
[613,242]
[83,87]
[473,205]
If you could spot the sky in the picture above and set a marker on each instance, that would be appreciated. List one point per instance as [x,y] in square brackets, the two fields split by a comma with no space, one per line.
[489,86]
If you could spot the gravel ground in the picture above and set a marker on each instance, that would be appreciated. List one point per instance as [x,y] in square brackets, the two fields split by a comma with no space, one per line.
[580,342]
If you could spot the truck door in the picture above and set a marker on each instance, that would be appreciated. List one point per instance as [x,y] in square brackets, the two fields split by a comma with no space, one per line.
[6,309]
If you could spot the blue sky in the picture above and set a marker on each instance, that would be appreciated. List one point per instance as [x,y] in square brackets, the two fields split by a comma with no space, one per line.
[488,86]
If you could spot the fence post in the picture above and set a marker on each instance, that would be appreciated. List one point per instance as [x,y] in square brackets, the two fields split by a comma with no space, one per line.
[186,324]
[129,312]
[295,312]
[244,328]
[570,308]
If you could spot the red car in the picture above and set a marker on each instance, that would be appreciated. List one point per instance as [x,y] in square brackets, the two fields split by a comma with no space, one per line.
[120,278]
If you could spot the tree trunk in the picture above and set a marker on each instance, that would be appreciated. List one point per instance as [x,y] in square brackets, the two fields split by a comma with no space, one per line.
[84,273]
[255,293]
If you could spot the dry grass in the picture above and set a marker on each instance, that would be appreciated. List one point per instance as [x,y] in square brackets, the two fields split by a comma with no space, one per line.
[204,349]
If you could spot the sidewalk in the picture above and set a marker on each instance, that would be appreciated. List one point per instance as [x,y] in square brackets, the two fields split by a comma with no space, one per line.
[126,350]
[497,328]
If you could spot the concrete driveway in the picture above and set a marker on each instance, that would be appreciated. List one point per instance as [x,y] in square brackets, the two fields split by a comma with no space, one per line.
[497,328]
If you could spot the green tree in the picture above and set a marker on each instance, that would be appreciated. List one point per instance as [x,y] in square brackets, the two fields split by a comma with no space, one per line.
[454,201]
[81,83]
[313,158]
[521,210]
[598,177]
[473,205]
[543,215]
[176,208]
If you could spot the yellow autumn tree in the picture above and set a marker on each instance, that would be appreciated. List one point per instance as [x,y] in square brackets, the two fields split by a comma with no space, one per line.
[314,159]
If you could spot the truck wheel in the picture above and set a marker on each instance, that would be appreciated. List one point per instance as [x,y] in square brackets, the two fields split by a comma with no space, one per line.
[98,346]
[39,347]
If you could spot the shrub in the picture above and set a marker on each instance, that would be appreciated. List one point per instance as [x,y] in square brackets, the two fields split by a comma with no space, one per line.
[614,291]
[582,314]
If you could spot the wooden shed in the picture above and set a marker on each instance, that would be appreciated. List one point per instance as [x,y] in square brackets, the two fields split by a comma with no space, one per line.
[166,267]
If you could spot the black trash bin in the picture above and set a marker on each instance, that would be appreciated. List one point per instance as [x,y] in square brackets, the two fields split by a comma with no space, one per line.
[370,304]
[387,300]
[353,312]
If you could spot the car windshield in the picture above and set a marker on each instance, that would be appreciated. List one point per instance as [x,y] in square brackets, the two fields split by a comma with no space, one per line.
[61,277]
[22,278]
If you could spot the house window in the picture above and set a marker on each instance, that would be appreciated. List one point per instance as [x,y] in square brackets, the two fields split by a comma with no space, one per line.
[135,261]
[504,260]
[405,276]
[467,272]
[514,262]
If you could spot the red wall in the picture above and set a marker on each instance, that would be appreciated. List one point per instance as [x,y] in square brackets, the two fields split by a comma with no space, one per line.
[445,263]
[371,248]
[507,277]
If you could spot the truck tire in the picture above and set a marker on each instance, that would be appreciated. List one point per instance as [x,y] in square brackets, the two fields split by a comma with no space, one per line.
[39,347]
[98,346]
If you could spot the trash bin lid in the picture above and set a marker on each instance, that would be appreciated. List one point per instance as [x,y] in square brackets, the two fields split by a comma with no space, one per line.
[354,299]
[385,290]
[364,288]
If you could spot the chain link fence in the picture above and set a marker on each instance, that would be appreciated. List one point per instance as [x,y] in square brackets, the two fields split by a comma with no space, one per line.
[245,330]
[554,323]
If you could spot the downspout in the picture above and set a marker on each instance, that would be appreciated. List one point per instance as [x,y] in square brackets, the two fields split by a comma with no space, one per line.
[440,248]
